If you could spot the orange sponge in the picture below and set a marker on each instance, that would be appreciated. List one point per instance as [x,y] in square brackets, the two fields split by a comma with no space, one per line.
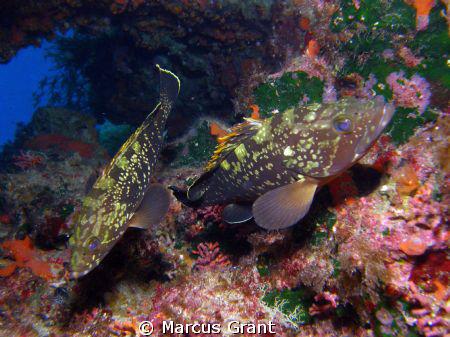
[23,252]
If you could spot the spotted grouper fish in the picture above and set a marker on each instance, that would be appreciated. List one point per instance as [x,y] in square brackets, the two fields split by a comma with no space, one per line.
[271,169]
[123,196]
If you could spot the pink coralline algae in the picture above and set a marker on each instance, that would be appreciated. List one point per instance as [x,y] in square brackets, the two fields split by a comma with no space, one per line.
[410,59]
[329,93]
[209,213]
[408,229]
[410,93]
[215,298]
[313,66]
[421,223]
[27,160]
[326,302]
[367,90]
[425,318]
[388,54]
[210,257]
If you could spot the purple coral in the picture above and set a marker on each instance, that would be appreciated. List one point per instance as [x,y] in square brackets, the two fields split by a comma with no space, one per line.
[410,93]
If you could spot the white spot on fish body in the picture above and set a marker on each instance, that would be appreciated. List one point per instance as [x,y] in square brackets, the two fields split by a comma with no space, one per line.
[311,116]
[288,152]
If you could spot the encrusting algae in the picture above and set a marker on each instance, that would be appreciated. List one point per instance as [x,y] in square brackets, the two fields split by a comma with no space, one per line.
[368,257]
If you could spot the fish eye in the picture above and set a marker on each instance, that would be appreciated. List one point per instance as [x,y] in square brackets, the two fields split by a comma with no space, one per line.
[343,124]
[93,244]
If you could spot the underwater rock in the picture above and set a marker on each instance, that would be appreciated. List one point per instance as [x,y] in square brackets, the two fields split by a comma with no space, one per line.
[369,259]
[68,123]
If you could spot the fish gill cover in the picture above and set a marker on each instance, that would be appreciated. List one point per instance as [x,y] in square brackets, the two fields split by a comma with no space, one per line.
[370,255]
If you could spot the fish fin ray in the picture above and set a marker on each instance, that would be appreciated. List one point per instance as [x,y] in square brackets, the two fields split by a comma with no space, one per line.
[153,207]
[237,213]
[168,93]
[169,86]
[228,143]
[284,206]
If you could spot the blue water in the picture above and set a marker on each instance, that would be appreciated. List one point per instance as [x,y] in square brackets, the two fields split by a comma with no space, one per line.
[18,80]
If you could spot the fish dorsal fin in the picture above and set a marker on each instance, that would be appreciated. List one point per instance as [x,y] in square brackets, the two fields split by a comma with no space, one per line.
[153,207]
[229,142]
[285,205]
[169,86]
[169,89]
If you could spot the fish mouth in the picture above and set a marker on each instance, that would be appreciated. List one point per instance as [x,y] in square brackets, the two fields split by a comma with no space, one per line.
[77,274]
[366,142]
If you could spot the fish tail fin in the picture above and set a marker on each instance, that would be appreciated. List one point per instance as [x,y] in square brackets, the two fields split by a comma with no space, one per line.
[169,86]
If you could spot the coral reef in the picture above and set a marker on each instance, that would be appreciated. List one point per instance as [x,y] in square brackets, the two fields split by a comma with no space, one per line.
[27,160]
[369,259]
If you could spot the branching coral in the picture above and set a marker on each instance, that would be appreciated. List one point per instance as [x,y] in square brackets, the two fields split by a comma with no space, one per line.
[210,257]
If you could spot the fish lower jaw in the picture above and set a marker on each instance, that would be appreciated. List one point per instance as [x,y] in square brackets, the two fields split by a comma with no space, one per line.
[77,274]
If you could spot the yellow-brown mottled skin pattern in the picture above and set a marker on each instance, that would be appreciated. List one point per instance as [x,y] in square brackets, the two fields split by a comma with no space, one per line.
[289,147]
[117,193]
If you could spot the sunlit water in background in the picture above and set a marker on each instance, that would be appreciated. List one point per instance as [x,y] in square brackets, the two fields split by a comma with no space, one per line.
[19,79]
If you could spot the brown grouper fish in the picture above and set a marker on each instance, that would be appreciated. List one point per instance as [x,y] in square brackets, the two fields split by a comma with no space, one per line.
[271,169]
[123,195]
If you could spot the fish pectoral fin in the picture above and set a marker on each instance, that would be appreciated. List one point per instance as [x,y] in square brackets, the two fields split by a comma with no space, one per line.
[284,206]
[153,207]
[237,213]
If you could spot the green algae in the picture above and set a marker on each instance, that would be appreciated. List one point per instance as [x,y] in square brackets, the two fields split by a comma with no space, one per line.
[389,319]
[66,210]
[404,124]
[318,237]
[287,91]
[112,136]
[433,45]
[294,304]
[376,66]
[262,265]
[346,313]
[382,24]
[336,268]
[200,148]
[436,194]
[329,218]
[376,15]
[323,223]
